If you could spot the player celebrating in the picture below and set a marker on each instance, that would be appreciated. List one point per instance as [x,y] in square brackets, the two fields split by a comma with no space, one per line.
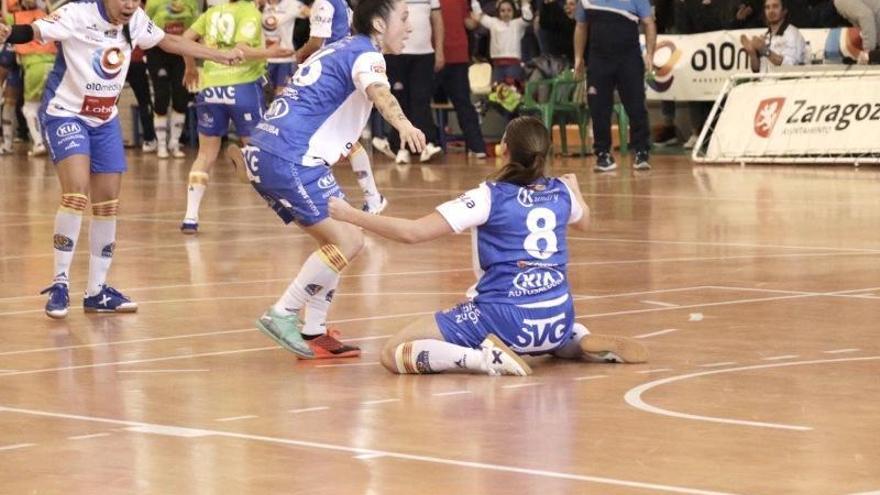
[521,303]
[305,131]
[225,94]
[81,127]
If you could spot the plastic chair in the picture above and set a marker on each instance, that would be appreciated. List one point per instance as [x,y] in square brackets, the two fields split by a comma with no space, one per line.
[568,105]
[530,104]
[480,79]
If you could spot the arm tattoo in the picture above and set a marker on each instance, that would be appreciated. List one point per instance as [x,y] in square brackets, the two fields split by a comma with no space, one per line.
[389,107]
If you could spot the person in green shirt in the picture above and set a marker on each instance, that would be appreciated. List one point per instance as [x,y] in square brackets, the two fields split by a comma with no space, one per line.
[166,73]
[225,93]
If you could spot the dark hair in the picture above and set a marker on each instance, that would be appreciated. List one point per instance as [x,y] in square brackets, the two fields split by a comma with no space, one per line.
[366,11]
[528,143]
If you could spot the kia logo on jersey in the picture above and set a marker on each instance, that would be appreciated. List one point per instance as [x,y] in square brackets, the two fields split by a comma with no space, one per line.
[535,281]
[767,115]
[107,62]
[327,182]
[68,129]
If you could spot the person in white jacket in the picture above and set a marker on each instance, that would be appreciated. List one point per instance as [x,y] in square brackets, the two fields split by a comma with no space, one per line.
[782,44]
[864,14]
[505,39]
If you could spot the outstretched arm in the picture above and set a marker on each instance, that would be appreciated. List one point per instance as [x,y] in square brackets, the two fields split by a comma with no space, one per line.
[428,227]
[183,45]
[390,109]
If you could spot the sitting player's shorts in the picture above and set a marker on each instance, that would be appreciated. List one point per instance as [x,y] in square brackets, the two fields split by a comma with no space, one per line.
[9,61]
[66,136]
[525,330]
[279,74]
[243,103]
[297,193]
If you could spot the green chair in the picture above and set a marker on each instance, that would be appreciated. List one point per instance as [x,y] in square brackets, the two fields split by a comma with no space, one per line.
[568,105]
[531,105]
[622,127]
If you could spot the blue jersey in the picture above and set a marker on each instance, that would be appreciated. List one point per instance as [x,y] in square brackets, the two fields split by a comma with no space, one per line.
[519,240]
[330,19]
[322,111]
[631,9]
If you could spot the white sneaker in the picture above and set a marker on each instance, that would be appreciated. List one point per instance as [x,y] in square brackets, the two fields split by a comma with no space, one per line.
[177,153]
[376,209]
[431,150]
[479,155]
[691,142]
[501,360]
[403,157]
[150,146]
[37,150]
[162,152]
[6,149]
[381,144]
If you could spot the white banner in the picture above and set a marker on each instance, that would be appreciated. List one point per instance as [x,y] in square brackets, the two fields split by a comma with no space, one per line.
[815,116]
[694,67]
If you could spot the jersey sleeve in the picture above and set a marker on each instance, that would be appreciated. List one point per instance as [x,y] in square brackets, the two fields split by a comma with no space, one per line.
[250,28]
[577,211]
[200,23]
[580,13]
[321,19]
[369,69]
[144,33]
[643,9]
[471,209]
[59,25]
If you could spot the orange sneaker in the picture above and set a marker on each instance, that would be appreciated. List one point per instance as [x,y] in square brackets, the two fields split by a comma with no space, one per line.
[328,346]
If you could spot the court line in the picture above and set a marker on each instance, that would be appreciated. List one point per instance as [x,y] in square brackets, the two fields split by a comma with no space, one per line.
[716,365]
[659,303]
[780,358]
[654,334]
[397,455]
[378,401]
[236,418]
[162,371]
[522,385]
[633,397]
[93,435]
[841,351]
[658,370]
[345,365]
[373,455]
[16,446]
[589,377]
[722,244]
[308,409]
[454,392]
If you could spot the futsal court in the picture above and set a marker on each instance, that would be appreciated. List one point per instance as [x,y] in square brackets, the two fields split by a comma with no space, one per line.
[756,289]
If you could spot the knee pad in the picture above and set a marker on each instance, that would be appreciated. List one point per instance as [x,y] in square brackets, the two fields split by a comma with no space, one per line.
[333,257]
[198,178]
[105,209]
[74,203]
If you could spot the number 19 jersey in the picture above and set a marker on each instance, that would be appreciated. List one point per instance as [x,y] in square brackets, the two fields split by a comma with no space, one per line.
[519,244]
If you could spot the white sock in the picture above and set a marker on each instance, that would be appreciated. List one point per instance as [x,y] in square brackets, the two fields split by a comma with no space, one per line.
[435,356]
[8,119]
[572,350]
[177,120]
[30,110]
[102,242]
[360,164]
[317,307]
[161,124]
[68,221]
[320,270]
[198,182]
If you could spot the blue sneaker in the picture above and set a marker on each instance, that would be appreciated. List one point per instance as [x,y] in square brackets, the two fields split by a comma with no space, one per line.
[59,300]
[189,227]
[109,300]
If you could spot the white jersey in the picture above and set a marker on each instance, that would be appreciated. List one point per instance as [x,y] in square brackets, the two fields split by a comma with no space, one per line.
[278,21]
[92,61]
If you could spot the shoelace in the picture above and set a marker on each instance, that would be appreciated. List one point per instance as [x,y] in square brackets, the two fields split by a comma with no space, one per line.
[114,292]
[55,289]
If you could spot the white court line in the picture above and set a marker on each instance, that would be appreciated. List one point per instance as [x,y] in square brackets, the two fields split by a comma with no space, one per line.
[589,377]
[85,437]
[634,396]
[236,418]
[716,365]
[378,401]
[371,455]
[308,409]
[522,385]
[162,371]
[454,392]
[347,365]
[659,303]
[8,371]
[875,492]
[780,358]
[397,455]
[16,446]
[654,334]
[658,370]
[841,351]
[723,244]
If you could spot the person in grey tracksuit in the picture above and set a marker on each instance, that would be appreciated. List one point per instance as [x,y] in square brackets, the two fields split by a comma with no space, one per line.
[865,14]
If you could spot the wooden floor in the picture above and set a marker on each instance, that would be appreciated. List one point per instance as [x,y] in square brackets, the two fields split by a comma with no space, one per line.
[757,290]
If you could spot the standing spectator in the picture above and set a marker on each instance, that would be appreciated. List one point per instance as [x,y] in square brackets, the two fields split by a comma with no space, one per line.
[412,76]
[782,44]
[556,28]
[505,38]
[748,15]
[864,14]
[667,134]
[140,85]
[166,72]
[615,58]
[453,77]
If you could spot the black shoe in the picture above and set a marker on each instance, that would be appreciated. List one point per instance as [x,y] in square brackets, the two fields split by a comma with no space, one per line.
[666,136]
[604,162]
[641,161]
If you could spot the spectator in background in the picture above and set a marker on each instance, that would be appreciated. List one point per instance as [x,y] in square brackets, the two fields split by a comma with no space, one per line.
[864,14]
[616,62]
[453,77]
[782,44]
[505,38]
[411,75]
[556,28]
[667,134]
[140,85]
[748,15]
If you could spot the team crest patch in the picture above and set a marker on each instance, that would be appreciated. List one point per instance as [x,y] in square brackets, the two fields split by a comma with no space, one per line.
[313,289]
[107,252]
[63,243]
[423,364]
[330,295]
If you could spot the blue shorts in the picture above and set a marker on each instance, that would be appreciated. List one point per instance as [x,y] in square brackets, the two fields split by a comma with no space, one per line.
[279,73]
[525,330]
[297,193]
[67,136]
[243,103]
